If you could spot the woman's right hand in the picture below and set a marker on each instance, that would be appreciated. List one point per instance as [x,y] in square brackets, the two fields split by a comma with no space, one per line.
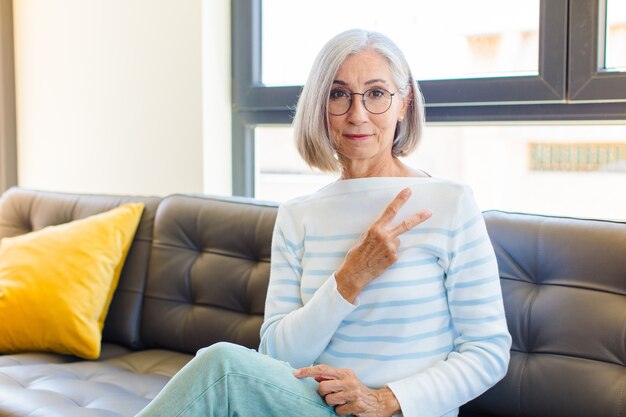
[377,248]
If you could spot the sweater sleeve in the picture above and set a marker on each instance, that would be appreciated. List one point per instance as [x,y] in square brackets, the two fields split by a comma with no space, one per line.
[481,346]
[292,331]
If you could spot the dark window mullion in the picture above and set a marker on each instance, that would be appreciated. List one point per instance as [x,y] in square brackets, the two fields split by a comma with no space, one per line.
[588,81]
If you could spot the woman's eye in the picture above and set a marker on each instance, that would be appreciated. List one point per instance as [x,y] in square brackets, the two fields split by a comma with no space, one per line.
[376,93]
[337,94]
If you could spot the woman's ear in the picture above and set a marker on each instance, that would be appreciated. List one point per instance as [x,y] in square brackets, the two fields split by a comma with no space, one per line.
[406,102]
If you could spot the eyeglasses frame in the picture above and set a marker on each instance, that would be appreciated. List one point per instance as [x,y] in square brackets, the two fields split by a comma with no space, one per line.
[363,101]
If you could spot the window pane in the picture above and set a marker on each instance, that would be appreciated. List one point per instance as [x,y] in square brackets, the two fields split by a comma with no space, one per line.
[281,173]
[481,38]
[571,170]
[615,54]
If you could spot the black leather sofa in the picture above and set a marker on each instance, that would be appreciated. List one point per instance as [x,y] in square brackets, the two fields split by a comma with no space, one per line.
[197,274]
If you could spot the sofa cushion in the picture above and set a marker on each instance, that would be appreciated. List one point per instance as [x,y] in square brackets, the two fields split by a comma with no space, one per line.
[117,387]
[564,289]
[56,283]
[23,211]
[208,273]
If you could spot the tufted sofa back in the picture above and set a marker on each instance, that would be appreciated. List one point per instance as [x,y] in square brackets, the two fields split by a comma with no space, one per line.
[208,272]
[564,288]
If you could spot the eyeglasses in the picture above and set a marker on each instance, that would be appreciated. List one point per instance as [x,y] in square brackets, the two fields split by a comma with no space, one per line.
[375,100]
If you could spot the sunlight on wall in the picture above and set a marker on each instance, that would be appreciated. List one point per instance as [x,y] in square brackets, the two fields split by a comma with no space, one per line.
[109,95]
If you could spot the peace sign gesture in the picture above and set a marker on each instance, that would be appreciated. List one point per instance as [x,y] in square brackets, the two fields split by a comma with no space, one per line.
[377,248]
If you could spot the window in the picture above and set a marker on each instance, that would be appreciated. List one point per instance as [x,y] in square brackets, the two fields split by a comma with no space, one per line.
[528,63]
[470,44]
[535,74]
[556,169]
[280,172]
[615,57]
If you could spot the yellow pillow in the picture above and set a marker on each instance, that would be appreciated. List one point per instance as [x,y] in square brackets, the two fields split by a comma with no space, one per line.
[56,283]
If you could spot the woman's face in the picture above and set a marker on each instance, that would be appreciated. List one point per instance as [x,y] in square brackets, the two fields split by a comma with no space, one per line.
[360,136]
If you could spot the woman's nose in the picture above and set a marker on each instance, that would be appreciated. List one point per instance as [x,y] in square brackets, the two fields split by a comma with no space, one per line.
[357,112]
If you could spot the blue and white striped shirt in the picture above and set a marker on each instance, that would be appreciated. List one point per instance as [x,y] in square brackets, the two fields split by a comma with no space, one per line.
[431,328]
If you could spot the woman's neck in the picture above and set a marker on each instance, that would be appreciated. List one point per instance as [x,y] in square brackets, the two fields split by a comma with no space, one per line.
[394,168]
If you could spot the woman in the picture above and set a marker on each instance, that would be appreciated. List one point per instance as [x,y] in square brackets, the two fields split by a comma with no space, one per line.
[384,295]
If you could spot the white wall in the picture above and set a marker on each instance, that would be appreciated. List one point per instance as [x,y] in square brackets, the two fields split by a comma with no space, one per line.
[110,96]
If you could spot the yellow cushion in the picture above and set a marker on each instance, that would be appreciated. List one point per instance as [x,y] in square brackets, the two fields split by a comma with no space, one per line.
[56,283]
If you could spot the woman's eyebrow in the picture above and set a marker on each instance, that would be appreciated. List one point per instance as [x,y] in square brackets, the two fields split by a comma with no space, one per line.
[376,80]
[373,81]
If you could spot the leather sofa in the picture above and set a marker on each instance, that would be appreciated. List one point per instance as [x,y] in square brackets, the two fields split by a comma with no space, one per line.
[197,274]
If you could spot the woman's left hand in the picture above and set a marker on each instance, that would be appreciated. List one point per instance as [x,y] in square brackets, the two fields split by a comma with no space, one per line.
[341,389]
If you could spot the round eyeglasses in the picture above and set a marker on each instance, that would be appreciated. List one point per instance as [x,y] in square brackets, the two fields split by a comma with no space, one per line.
[375,100]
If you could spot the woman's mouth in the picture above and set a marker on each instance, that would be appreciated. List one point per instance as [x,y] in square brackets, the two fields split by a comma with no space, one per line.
[354,136]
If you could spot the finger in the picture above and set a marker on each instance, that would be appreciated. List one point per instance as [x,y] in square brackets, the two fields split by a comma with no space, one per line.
[396,204]
[318,371]
[410,222]
[330,386]
[336,399]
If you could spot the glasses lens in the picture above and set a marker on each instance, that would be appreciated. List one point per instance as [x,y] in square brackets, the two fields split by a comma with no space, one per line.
[339,101]
[377,100]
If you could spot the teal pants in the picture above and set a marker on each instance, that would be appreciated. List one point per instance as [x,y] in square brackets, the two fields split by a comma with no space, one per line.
[226,380]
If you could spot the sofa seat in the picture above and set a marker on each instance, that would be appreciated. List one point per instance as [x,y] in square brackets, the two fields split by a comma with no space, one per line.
[118,386]
[107,351]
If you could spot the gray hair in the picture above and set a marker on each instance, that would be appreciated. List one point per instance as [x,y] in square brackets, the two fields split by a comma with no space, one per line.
[311,131]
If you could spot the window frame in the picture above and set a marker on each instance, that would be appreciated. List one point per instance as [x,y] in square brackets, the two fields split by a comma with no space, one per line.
[545,97]
[588,81]
[8,140]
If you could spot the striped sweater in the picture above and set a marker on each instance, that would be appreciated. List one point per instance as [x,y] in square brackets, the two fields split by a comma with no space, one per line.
[431,328]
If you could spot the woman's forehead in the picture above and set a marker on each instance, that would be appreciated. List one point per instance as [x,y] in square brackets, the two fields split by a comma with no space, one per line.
[364,68]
